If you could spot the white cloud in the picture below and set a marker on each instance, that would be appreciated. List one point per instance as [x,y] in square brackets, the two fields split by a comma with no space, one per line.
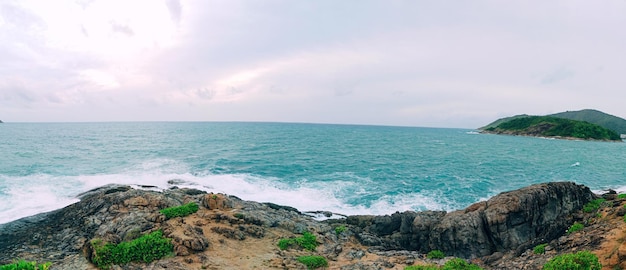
[370,62]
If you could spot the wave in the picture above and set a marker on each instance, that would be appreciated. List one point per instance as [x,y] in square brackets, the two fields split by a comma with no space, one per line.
[29,195]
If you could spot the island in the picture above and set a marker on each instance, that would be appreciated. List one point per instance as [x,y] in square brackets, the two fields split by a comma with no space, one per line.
[577,125]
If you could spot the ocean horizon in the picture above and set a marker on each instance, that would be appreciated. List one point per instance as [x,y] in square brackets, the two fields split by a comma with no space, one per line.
[345,169]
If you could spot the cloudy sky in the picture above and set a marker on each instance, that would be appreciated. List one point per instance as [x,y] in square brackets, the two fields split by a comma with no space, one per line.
[416,63]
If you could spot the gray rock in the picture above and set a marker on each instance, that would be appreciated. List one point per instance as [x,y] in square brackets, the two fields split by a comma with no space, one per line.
[514,220]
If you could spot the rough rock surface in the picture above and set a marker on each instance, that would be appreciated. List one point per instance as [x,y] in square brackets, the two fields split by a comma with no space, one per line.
[229,233]
[514,220]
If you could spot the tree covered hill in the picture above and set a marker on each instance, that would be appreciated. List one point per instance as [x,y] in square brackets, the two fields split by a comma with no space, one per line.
[602,119]
[549,126]
[502,120]
[611,122]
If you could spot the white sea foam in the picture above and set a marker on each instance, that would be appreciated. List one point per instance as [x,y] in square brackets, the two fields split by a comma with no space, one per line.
[25,196]
[620,190]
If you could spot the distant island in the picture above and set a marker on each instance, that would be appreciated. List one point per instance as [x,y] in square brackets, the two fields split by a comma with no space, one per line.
[584,124]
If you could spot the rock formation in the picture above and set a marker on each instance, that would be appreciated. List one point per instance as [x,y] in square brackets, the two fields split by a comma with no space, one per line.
[229,233]
[513,220]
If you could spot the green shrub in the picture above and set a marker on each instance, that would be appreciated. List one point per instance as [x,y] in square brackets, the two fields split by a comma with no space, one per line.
[239,215]
[435,254]
[621,196]
[593,205]
[582,260]
[307,241]
[540,249]
[285,243]
[624,217]
[146,248]
[453,264]
[180,211]
[340,229]
[24,265]
[313,262]
[575,227]
[422,267]
[459,264]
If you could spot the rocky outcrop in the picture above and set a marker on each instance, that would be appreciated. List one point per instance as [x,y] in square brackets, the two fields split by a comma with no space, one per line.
[119,213]
[513,220]
[229,233]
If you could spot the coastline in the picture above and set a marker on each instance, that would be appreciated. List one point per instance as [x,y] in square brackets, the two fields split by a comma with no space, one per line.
[229,233]
[546,137]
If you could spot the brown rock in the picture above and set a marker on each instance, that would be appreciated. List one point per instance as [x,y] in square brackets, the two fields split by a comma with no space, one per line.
[188,236]
[136,201]
[216,201]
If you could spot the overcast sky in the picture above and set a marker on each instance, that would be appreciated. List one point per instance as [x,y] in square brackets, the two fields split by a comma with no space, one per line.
[416,63]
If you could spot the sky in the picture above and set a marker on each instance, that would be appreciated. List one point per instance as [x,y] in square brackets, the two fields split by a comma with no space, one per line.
[430,63]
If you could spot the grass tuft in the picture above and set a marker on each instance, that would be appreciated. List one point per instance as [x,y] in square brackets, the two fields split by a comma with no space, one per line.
[313,262]
[146,248]
[180,211]
[453,264]
[340,229]
[540,249]
[583,260]
[593,205]
[575,227]
[25,265]
[435,254]
[307,241]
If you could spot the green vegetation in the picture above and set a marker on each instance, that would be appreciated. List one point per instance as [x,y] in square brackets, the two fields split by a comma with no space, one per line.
[435,254]
[453,264]
[459,264]
[599,118]
[307,241]
[575,227]
[540,249]
[146,248]
[593,205]
[621,196]
[555,127]
[624,217]
[24,265]
[239,215]
[285,243]
[611,122]
[180,211]
[340,229]
[313,262]
[582,260]
[494,124]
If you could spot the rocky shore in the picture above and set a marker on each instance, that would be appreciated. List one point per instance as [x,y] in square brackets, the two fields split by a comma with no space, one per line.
[229,233]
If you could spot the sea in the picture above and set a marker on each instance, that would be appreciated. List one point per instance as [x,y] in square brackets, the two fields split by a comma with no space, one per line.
[344,169]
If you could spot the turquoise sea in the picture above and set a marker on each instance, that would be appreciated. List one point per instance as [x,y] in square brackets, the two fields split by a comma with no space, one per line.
[347,169]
